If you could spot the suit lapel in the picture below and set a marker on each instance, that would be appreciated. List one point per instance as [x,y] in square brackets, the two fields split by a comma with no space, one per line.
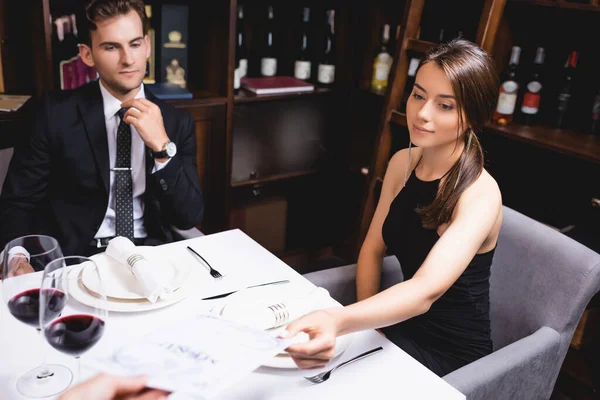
[91,109]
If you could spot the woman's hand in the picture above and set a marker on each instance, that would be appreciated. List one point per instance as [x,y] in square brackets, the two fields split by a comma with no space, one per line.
[322,328]
[106,387]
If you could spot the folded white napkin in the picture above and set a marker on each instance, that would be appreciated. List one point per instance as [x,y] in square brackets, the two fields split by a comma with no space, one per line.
[124,251]
[271,313]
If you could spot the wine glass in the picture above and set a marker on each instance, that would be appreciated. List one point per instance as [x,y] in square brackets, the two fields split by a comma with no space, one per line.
[23,261]
[79,327]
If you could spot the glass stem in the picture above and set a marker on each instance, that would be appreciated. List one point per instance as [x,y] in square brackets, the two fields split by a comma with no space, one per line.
[44,371]
[78,369]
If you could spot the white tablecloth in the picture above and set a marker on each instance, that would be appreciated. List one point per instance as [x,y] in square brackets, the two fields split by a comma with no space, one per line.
[388,374]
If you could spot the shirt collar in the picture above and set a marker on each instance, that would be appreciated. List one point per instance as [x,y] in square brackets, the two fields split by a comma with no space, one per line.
[112,104]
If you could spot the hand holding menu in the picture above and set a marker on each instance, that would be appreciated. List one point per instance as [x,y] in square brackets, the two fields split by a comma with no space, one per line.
[199,356]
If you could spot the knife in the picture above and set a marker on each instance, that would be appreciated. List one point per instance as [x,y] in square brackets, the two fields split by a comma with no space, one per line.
[218,296]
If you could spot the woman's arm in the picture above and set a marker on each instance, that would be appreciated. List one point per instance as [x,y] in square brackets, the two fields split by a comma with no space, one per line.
[372,251]
[474,218]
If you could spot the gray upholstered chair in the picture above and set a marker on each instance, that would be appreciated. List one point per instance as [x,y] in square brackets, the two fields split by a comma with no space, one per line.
[541,282]
[6,155]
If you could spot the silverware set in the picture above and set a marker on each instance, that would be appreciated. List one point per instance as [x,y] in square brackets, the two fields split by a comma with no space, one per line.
[282,316]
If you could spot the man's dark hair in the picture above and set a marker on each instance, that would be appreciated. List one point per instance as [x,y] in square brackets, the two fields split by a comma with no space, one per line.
[100,10]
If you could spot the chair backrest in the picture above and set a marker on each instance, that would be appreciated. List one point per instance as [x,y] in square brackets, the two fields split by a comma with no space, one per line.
[5,157]
[540,277]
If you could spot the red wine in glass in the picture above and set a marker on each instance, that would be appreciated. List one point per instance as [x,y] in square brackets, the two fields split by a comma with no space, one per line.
[25,306]
[74,334]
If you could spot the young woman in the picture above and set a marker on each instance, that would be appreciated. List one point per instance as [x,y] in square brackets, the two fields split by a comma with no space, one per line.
[439,213]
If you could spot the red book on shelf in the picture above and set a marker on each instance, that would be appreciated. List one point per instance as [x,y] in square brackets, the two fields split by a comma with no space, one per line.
[276,84]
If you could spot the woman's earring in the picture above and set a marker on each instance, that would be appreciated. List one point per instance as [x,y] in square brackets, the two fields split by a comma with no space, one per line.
[471,133]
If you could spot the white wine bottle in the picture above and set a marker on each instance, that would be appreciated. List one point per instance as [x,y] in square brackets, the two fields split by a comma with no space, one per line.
[382,63]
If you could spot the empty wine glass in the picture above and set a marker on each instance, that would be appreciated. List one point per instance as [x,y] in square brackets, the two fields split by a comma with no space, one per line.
[23,263]
[79,327]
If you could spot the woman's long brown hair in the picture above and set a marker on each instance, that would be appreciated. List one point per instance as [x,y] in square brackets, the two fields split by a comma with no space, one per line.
[475,83]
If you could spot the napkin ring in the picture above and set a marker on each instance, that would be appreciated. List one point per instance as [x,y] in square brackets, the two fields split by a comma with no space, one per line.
[132,259]
[281,313]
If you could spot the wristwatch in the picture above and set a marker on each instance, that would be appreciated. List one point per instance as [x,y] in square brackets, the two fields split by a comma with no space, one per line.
[169,150]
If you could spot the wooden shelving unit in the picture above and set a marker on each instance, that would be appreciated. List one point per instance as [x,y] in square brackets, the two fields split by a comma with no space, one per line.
[243,135]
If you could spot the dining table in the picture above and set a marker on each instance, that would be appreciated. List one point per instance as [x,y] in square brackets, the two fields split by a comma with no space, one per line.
[388,374]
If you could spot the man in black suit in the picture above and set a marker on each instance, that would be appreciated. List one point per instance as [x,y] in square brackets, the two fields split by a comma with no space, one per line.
[107,159]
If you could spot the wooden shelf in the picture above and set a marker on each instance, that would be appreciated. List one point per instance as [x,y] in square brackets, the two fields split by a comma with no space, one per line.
[274,178]
[245,96]
[419,46]
[398,118]
[369,92]
[581,145]
[559,4]
[197,101]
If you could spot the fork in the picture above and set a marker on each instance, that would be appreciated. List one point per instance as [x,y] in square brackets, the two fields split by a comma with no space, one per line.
[213,272]
[323,376]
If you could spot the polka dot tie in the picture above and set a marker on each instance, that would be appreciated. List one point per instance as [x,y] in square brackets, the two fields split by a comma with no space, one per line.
[123,181]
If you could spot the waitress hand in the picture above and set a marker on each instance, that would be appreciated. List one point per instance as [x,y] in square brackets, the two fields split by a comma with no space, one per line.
[322,329]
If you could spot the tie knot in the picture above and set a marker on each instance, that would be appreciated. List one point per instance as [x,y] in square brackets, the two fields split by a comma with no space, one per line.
[121,112]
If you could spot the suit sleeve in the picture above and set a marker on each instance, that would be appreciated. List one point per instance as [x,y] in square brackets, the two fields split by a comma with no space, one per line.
[177,185]
[27,178]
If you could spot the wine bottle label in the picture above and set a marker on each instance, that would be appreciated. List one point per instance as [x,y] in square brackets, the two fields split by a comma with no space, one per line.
[506,103]
[383,64]
[236,78]
[508,98]
[563,101]
[326,73]
[268,66]
[302,70]
[243,67]
[534,87]
[531,103]
[510,87]
[412,68]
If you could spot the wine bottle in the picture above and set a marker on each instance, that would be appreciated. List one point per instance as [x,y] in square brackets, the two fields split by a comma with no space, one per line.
[302,66]
[268,62]
[531,100]
[240,44]
[596,115]
[326,73]
[237,73]
[508,90]
[382,63]
[410,81]
[564,97]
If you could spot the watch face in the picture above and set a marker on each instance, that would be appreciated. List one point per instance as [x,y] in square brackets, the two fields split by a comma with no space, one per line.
[171,149]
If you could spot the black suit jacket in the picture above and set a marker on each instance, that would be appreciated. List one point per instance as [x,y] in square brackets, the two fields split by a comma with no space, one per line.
[58,180]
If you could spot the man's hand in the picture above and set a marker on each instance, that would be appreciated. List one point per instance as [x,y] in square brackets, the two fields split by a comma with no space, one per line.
[18,265]
[106,387]
[147,119]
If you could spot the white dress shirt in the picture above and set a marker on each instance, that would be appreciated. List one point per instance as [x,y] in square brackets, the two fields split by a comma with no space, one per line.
[138,167]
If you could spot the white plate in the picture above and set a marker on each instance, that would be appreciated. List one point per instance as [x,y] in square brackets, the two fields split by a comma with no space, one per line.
[120,283]
[80,293]
[275,294]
